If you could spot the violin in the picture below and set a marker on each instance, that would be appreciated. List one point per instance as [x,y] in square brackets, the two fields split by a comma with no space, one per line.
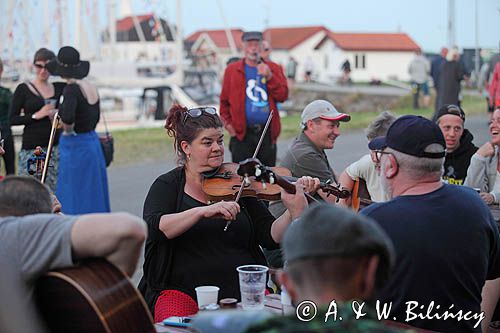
[224,183]
[252,167]
[258,181]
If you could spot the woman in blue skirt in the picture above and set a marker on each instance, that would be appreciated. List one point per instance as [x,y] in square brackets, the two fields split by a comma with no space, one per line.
[82,183]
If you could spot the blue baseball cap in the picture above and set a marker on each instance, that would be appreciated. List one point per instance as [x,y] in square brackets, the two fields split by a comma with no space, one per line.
[411,135]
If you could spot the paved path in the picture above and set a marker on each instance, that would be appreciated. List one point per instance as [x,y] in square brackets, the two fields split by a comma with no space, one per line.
[129,184]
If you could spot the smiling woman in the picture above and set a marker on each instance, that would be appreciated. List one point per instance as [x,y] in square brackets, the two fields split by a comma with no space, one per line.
[187,246]
[483,170]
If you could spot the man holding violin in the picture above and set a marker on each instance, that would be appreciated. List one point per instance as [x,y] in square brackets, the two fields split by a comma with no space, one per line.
[306,155]
[250,90]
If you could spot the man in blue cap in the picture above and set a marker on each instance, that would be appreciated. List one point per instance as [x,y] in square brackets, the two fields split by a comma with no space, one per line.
[250,90]
[446,240]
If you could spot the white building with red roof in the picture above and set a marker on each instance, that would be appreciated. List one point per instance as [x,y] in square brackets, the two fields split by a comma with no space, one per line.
[373,56]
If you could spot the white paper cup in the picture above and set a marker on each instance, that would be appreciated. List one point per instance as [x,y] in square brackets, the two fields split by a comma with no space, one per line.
[206,295]
[252,286]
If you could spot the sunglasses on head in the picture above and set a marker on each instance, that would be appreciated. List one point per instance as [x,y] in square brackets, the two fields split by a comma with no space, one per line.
[197,112]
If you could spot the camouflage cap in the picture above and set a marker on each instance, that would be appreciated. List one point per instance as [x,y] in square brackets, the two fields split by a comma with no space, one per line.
[328,231]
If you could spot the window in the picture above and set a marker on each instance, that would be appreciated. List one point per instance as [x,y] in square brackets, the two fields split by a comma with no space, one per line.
[360,61]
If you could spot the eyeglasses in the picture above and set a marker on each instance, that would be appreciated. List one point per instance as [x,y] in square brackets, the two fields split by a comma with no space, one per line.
[197,112]
[40,66]
[379,153]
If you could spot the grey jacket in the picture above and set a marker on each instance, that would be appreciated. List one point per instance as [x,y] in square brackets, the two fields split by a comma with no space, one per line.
[482,173]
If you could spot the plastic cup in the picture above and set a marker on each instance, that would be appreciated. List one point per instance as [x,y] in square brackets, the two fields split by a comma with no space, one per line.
[206,295]
[252,286]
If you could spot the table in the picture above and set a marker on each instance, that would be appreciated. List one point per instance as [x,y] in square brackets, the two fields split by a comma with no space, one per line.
[272,304]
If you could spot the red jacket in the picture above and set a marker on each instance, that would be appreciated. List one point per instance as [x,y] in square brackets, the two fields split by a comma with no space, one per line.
[494,88]
[232,97]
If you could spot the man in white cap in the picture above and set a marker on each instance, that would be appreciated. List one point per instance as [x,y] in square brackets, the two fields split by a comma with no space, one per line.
[306,155]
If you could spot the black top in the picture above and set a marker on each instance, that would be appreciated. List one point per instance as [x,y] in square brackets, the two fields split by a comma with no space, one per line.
[205,253]
[36,132]
[457,162]
[75,109]
[446,245]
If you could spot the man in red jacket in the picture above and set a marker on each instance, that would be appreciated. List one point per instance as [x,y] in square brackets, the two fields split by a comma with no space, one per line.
[250,90]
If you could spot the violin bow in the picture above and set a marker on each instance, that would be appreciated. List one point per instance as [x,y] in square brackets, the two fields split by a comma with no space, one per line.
[259,144]
[55,124]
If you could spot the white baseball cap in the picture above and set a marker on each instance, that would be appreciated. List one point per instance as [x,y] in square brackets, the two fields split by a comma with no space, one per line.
[324,110]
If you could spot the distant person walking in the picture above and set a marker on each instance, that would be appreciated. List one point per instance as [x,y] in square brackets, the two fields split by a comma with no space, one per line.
[452,73]
[308,69]
[419,70]
[5,133]
[436,64]
[346,72]
[291,71]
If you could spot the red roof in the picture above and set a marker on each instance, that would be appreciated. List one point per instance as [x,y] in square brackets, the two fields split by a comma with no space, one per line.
[127,23]
[219,37]
[374,41]
[288,38]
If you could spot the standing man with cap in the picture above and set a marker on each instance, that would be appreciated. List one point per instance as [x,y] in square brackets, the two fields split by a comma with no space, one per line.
[250,90]
[445,238]
[459,146]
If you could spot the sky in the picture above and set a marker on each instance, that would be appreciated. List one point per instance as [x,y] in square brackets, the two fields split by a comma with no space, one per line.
[425,20]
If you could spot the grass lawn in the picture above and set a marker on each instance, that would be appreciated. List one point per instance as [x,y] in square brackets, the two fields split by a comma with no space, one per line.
[148,144]
[140,145]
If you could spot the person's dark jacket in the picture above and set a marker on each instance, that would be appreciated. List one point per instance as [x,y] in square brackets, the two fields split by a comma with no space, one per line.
[457,162]
[436,70]
[451,73]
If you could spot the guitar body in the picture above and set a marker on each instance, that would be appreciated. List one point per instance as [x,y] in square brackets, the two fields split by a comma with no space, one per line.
[360,197]
[93,296]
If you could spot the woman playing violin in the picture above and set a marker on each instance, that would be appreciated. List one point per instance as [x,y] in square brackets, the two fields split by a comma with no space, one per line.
[187,245]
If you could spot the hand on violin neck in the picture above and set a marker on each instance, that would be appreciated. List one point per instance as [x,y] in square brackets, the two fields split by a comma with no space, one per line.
[296,203]
[311,185]
[223,209]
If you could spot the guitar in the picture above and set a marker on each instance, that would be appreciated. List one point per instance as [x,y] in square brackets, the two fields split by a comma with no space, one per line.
[360,197]
[93,296]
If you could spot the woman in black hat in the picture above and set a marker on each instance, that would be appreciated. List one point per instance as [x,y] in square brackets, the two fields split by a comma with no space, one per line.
[82,180]
[34,105]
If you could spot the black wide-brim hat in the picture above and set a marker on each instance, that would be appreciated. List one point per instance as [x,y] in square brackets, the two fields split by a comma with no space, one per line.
[68,64]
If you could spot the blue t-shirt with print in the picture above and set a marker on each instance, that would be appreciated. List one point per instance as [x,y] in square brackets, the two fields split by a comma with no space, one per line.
[256,98]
